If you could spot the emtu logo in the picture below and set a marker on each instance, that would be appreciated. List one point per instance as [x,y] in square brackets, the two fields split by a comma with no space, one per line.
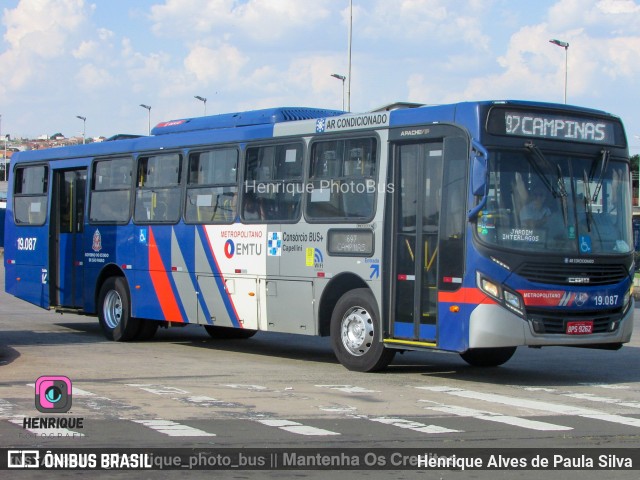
[229,248]
[53,394]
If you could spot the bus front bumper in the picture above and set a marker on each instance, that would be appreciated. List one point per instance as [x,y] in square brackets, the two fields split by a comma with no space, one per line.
[493,326]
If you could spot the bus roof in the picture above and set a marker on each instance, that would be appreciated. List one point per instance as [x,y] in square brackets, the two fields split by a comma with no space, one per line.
[203,130]
[259,124]
[243,119]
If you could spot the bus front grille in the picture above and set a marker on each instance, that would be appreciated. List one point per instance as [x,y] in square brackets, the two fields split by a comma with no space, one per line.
[571,274]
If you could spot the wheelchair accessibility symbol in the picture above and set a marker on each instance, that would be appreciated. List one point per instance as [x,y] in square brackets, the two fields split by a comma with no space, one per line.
[142,235]
[585,244]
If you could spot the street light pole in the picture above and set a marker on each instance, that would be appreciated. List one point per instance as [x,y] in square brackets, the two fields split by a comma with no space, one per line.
[84,125]
[564,45]
[638,138]
[343,78]
[6,139]
[349,56]
[204,100]
[149,112]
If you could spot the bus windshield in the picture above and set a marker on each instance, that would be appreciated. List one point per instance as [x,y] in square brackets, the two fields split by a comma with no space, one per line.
[541,202]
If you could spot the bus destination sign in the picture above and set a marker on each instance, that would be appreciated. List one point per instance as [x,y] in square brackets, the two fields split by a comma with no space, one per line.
[539,124]
[350,242]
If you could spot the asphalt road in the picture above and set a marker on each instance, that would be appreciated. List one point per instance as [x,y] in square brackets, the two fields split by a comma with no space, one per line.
[184,389]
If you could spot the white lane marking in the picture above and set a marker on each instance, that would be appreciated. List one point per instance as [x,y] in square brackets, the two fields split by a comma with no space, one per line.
[610,386]
[338,409]
[297,428]
[174,429]
[78,392]
[246,387]
[548,407]
[204,401]
[75,391]
[597,398]
[158,389]
[46,432]
[590,396]
[411,425]
[540,389]
[198,400]
[497,417]
[6,409]
[348,388]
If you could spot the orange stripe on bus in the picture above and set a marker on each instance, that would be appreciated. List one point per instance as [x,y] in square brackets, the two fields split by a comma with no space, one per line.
[465,295]
[161,283]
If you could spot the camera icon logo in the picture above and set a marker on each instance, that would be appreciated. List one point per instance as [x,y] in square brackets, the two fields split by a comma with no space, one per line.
[53,394]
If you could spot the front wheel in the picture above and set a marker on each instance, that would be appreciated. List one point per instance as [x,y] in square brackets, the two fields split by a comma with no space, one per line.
[114,311]
[354,333]
[488,357]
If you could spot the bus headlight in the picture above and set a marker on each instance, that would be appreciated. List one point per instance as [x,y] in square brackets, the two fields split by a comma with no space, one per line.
[513,301]
[509,299]
[488,287]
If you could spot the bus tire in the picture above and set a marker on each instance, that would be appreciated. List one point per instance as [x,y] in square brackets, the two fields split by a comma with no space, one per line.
[488,357]
[114,311]
[354,332]
[229,333]
[148,329]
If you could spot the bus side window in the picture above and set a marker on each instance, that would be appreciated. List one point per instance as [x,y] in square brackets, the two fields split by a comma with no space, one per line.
[110,197]
[212,187]
[30,195]
[273,183]
[342,174]
[158,189]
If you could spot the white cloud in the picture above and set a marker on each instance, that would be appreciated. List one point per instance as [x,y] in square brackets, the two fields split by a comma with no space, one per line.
[86,49]
[38,32]
[42,27]
[209,64]
[265,20]
[254,53]
[618,6]
[432,22]
[92,77]
[533,68]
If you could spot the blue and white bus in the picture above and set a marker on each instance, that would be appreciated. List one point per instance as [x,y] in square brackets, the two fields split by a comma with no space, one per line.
[474,228]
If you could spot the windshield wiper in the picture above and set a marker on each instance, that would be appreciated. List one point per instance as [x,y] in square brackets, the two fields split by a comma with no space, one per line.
[587,200]
[558,190]
[604,164]
[563,195]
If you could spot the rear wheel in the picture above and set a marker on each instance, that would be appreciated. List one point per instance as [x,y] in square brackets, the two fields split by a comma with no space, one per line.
[229,333]
[148,329]
[355,335]
[114,311]
[488,357]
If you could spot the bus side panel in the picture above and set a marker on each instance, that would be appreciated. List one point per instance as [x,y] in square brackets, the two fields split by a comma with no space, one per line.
[457,308]
[154,295]
[229,260]
[26,271]
[453,327]
[104,246]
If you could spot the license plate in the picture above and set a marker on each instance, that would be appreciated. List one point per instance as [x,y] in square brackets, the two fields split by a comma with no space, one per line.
[580,328]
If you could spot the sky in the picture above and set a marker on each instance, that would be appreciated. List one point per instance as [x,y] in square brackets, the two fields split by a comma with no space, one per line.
[101,59]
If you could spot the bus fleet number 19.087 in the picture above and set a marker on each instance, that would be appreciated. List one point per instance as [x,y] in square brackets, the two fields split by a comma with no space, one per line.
[27,243]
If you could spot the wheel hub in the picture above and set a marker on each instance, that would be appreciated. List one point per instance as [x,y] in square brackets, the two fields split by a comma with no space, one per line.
[357,331]
[112,309]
